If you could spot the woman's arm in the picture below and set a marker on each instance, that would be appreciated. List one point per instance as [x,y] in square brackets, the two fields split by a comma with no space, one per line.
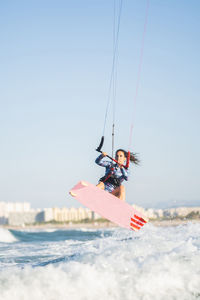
[125,173]
[99,161]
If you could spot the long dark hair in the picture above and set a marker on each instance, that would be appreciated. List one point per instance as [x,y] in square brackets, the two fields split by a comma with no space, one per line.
[133,156]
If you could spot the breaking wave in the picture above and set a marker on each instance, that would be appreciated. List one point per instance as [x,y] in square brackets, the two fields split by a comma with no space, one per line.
[155,263]
[6,236]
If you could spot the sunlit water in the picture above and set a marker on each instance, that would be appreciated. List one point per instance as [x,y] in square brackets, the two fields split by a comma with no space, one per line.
[154,263]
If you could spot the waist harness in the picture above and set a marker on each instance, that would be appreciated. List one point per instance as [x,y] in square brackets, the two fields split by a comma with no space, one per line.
[111,179]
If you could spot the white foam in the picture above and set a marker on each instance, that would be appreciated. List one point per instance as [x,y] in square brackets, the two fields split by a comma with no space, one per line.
[6,236]
[152,264]
[39,229]
[86,229]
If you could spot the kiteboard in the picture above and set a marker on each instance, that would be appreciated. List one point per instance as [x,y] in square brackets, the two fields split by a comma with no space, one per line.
[108,206]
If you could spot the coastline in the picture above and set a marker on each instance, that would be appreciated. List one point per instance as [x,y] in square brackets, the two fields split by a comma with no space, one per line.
[98,225]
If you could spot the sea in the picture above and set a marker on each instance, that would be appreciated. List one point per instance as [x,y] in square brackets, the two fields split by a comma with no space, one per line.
[155,263]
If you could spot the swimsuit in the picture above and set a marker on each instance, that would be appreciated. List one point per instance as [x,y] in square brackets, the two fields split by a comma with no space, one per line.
[114,175]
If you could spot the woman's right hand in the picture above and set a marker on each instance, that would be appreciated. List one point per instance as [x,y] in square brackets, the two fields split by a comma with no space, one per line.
[104,154]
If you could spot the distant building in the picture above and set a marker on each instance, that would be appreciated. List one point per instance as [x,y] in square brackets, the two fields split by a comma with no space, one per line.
[69,214]
[48,214]
[12,207]
[25,218]
[150,213]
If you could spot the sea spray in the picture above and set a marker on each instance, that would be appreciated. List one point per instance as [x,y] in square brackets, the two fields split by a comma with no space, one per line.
[6,236]
[154,263]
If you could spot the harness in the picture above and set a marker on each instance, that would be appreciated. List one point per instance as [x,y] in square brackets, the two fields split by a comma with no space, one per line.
[111,178]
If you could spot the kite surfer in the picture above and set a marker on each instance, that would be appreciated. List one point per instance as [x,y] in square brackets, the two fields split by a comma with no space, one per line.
[116,172]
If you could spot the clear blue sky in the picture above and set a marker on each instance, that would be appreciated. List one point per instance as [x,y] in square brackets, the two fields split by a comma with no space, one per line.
[56,58]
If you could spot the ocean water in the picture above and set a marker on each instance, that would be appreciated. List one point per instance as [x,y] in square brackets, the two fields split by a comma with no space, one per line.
[153,264]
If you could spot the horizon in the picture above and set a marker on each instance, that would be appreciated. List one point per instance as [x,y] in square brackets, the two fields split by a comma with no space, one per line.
[82,206]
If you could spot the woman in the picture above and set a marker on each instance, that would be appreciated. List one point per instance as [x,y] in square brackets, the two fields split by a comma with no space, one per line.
[115,173]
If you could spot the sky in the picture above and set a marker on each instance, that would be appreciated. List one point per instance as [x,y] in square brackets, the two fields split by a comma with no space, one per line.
[56,59]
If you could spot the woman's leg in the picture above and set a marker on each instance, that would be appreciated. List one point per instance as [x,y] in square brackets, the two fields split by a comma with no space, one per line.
[119,192]
[100,185]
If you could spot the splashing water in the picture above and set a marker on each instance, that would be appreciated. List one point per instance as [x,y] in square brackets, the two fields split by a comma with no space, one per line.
[154,263]
[6,236]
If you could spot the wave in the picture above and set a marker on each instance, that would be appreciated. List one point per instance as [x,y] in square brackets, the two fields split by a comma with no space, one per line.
[38,230]
[56,235]
[6,236]
[152,264]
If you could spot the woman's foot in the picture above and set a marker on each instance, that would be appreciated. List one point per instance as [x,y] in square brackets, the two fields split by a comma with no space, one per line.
[100,185]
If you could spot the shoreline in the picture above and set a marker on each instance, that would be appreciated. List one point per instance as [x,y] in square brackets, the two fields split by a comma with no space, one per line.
[166,223]
[98,225]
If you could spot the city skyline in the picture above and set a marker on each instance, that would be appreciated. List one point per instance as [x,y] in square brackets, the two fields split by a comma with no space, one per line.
[21,214]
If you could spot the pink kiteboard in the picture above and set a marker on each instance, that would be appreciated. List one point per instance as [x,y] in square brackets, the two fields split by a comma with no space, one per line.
[108,206]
